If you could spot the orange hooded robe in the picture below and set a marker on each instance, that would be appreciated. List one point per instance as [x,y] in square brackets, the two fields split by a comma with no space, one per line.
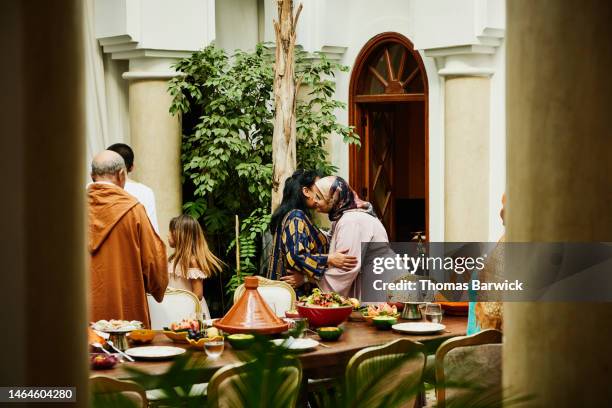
[128,259]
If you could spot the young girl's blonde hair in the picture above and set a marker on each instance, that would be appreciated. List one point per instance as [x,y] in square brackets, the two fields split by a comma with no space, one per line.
[191,248]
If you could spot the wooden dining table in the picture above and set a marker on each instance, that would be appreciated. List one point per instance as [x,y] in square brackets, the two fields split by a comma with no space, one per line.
[322,362]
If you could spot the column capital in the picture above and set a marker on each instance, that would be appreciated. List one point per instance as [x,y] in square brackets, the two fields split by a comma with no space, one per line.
[155,65]
[153,35]
[475,59]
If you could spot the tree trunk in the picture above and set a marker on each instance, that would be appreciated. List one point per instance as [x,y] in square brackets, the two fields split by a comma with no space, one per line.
[284,137]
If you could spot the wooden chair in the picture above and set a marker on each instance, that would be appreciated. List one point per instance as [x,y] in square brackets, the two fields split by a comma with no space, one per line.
[223,388]
[177,304]
[397,365]
[121,390]
[469,367]
[279,295]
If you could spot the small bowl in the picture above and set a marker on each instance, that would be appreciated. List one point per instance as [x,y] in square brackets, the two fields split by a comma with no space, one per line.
[142,336]
[370,319]
[197,344]
[177,336]
[292,314]
[384,322]
[330,333]
[102,361]
[241,341]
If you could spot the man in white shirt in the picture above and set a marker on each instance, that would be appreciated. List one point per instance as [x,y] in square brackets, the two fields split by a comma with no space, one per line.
[143,193]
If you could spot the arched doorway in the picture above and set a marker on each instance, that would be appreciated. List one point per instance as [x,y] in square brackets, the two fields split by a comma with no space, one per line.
[388,108]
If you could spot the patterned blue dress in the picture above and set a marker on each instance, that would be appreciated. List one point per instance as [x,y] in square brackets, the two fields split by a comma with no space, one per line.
[300,246]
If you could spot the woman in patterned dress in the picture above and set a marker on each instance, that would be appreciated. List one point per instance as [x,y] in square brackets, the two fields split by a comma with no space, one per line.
[299,246]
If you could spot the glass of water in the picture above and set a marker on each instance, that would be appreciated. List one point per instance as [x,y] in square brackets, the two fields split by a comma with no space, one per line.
[297,326]
[214,347]
[433,313]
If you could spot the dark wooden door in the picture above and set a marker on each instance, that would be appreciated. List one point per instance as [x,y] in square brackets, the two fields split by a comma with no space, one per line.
[379,120]
[388,76]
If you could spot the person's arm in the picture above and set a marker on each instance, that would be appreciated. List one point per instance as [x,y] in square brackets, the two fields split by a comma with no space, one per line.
[153,259]
[197,287]
[298,256]
[301,260]
[348,234]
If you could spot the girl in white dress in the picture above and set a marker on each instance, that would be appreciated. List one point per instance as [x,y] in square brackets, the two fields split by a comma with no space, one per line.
[192,261]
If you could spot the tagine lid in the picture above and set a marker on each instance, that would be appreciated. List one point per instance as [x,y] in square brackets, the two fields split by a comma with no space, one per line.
[251,314]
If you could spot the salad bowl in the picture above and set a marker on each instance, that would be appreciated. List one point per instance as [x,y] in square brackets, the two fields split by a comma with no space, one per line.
[325,316]
[325,309]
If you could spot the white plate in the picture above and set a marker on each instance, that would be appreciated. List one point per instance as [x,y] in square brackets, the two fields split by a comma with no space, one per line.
[418,327]
[154,352]
[297,344]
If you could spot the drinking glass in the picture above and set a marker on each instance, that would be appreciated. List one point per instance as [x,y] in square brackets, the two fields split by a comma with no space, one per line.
[433,313]
[297,326]
[214,347]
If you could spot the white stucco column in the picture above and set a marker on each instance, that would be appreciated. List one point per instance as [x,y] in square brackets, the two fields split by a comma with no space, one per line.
[152,36]
[467,88]
[155,135]
[42,214]
[559,190]
[465,40]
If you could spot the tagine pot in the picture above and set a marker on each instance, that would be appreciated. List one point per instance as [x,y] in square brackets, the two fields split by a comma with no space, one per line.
[251,314]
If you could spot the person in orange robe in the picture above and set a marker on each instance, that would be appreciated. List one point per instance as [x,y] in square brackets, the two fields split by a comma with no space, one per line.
[128,259]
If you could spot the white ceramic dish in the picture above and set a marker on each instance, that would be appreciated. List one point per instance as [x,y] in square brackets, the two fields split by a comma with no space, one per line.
[297,344]
[154,352]
[418,327]
[116,326]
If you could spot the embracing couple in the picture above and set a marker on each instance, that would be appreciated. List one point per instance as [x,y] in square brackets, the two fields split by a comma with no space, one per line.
[306,257]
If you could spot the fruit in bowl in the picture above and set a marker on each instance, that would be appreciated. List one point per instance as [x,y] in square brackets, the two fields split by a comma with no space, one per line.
[330,333]
[241,341]
[186,324]
[103,361]
[181,332]
[384,322]
[142,336]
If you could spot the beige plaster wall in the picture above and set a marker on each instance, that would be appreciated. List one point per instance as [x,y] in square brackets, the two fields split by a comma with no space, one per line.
[466,178]
[237,24]
[156,141]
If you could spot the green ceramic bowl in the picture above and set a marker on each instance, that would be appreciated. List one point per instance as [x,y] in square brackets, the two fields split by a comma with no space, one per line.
[330,333]
[384,322]
[241,341]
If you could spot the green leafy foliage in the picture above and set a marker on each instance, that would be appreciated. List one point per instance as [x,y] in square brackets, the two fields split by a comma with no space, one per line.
[226,104]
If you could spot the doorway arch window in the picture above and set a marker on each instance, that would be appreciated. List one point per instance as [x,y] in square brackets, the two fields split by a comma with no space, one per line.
[388,108]
[391,69]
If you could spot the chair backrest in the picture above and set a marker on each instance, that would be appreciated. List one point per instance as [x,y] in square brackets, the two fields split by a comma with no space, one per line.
[228,388]
[470,368]
[177,304]
[110,391]
[382,371]
[279,295]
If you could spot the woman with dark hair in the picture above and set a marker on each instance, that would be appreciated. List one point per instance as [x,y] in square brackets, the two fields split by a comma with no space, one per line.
[354,223]
[298,245]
